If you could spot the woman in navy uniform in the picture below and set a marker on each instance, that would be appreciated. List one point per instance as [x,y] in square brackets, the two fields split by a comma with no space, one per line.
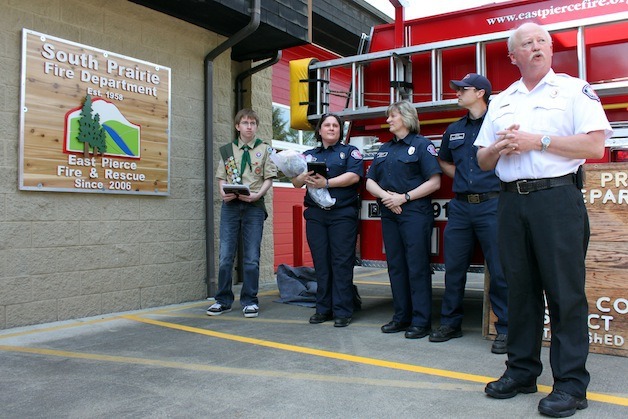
[332,231]
[404,173]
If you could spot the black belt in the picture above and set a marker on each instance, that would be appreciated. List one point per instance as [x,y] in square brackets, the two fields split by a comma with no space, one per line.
[525,186]
[476,198]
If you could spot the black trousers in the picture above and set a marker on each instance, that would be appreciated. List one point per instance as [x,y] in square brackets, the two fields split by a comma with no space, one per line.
[331,235]
[543,238]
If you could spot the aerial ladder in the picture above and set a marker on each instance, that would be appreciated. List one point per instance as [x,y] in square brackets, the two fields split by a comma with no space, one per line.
[362,104]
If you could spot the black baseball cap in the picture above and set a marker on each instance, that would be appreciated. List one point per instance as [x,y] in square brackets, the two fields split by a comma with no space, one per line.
[473,80]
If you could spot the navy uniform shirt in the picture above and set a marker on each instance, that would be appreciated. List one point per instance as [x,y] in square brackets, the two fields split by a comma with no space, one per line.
[340,158]
[402,165]
[457,148]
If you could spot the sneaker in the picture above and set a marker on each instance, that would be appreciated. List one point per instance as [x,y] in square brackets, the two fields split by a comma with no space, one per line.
[251,311]
[217,309]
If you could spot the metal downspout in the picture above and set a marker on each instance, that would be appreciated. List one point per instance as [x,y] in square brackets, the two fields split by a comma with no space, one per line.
[253,24]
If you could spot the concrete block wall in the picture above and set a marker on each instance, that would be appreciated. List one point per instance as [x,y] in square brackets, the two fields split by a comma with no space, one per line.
[122,252]
[262,101]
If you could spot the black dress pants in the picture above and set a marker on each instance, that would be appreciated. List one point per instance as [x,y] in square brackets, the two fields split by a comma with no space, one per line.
[543,238]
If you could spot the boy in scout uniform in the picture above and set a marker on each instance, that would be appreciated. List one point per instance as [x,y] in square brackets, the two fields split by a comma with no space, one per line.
[245,161]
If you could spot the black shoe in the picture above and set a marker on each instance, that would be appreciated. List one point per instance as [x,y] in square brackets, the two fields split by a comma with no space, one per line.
[500,344]
[444,333]
[394,327]
[506,388]
[417,332]
[342,321]
[560,404]
[320,318]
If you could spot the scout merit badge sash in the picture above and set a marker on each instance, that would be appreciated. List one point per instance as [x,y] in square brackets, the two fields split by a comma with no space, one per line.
[234,175]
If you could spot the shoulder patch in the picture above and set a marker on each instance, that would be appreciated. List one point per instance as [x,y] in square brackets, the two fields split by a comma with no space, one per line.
[432,150]
[356,154]
[588,90]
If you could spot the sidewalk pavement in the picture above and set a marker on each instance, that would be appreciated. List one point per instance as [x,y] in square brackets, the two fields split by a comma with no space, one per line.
[177,362]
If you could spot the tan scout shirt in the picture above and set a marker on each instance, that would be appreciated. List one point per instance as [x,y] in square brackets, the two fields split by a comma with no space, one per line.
[262,166]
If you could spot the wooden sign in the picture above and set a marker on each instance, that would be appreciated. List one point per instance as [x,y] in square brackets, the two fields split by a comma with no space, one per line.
[606,197]
[92,120]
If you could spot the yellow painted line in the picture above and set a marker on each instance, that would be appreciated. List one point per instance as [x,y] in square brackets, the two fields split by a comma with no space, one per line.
[377,382]
[622,401]
[387,284]
[238,319]
[315,352]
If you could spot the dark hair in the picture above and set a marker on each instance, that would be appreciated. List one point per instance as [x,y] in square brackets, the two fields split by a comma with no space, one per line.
[246,113]
[317,135]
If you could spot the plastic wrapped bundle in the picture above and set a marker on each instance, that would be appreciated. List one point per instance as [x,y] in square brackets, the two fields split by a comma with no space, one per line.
[290,162]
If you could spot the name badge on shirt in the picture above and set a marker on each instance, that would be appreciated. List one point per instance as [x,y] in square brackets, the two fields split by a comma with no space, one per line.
[456,136]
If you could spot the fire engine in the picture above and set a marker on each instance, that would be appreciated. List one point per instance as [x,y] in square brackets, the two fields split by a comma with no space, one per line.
[415,60]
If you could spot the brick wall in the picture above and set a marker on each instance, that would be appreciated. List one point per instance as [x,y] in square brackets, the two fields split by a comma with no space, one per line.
[121,252]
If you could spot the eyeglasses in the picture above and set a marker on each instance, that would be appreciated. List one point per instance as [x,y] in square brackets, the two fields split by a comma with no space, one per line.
[248,123]
[465,88]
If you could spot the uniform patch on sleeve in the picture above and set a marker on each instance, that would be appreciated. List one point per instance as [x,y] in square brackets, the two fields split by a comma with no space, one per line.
[432,150]
[356,154]
[588,90]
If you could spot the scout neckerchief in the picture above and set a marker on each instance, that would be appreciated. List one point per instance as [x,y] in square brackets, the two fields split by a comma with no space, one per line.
[246,157]
[226,152]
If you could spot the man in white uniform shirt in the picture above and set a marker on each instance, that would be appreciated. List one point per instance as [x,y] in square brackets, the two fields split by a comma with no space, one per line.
[536,135]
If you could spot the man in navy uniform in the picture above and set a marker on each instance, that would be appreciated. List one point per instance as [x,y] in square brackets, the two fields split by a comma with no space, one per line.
[472,215]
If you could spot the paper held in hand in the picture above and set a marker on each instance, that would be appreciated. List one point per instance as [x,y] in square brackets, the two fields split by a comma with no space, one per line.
[236,189]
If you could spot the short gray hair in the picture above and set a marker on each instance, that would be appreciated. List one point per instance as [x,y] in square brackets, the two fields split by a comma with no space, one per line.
[513,36]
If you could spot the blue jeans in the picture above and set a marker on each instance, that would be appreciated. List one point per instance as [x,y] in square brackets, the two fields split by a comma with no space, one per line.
[236,217]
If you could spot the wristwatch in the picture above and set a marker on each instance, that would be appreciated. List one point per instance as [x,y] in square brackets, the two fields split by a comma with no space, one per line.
[545,143]
[407,197]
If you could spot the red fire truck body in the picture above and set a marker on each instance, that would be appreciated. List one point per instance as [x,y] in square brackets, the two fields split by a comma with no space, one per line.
[416,59]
